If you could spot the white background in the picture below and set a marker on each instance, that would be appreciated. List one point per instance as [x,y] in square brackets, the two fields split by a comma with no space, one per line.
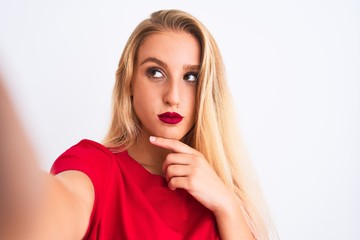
[293,67]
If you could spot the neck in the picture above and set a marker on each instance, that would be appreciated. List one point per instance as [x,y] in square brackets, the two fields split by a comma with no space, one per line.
[149,156]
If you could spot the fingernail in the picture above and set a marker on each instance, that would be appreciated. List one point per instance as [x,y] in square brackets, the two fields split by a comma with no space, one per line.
[152,139]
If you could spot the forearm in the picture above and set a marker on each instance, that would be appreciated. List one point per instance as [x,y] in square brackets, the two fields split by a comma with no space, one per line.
[18,179]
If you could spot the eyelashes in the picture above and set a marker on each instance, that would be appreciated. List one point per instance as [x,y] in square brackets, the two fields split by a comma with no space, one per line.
[156,73]
[191,77]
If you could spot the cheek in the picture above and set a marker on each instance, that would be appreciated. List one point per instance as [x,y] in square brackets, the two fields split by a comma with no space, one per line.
[144,99]
[190,100]
[189,106]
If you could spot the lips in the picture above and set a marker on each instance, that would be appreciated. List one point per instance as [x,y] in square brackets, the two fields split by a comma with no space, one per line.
[170,117]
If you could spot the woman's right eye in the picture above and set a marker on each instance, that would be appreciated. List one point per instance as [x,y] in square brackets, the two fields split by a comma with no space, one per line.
[153,72]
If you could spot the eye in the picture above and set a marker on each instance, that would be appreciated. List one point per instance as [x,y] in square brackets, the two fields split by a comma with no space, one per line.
[154,72]
[191,77]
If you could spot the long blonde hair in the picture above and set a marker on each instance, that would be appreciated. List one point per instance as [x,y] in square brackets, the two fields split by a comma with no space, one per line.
[214,133]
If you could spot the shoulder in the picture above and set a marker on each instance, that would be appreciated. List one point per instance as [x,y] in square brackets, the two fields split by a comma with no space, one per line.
[88,147]
[86,156]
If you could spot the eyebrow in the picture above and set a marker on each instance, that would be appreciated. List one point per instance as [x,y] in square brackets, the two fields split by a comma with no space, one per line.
[155,60]
[163,64]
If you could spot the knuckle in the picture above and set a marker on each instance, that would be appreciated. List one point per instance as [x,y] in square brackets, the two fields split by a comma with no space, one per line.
[170,170]
[176,144]
[169,158]
[172,182]
[197,160]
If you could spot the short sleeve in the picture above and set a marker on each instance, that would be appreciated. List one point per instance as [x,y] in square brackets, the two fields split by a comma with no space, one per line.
[87,156]
[96,162]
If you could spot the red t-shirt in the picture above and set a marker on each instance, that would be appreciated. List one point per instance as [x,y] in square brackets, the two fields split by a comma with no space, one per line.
[132,203]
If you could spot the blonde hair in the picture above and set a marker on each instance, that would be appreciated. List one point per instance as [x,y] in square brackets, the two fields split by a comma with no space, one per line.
[214,133]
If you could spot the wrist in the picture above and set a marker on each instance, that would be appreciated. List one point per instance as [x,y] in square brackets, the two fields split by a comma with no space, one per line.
[231,221]
[230,206]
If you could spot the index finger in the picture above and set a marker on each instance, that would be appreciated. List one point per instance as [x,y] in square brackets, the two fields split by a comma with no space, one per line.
[171,144]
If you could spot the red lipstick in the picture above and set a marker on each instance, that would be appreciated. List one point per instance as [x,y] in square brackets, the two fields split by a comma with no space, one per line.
[170,117]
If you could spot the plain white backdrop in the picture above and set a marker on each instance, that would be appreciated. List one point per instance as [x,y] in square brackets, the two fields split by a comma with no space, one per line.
[293,68]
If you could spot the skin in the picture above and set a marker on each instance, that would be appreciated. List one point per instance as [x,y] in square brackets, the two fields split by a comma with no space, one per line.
[62,204]
[187,169]
[67,199]
[164,81]
[159,149]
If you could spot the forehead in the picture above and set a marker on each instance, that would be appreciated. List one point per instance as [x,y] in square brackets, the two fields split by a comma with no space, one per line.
[172,47]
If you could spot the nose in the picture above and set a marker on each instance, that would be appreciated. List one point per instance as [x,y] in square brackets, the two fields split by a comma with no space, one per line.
[172,93]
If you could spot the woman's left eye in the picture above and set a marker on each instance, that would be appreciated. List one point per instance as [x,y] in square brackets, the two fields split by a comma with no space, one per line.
[191,77]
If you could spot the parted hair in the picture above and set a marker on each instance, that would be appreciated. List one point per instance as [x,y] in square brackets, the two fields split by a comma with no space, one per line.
[214,133]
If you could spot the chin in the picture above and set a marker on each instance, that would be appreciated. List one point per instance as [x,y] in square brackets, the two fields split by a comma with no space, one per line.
[176,133]
[172,135]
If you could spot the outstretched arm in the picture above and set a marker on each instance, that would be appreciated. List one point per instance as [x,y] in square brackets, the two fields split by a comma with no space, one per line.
[34,204]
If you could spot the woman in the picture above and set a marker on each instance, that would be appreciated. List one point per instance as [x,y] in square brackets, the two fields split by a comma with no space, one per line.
[171,165]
